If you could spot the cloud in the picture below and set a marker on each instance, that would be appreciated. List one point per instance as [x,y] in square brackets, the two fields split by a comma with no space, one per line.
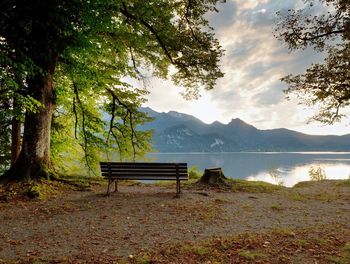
[272,96]
[225,17]
[254,63]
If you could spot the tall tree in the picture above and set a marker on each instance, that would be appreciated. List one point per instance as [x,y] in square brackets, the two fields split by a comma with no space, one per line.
[325,26]
[5,139]
[78,53]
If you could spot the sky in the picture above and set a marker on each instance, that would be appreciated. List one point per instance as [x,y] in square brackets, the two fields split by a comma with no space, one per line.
[254,62]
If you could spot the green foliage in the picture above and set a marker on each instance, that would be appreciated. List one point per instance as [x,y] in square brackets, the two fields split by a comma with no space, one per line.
[323,25]
[325,85]
[194,173]
[5,146]
[94,50]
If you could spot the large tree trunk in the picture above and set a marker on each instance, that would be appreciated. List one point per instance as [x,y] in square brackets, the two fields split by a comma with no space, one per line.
[42,49]
[15,139]
[15,134]
[34,159]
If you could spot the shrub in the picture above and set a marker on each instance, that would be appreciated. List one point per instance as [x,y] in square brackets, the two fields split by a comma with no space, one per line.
[194,173]
[316,173]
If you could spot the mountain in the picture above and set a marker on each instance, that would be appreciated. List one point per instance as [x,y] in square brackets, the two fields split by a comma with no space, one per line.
[178,132]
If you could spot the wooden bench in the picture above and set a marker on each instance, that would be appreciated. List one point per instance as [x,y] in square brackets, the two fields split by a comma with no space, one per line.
[115,171]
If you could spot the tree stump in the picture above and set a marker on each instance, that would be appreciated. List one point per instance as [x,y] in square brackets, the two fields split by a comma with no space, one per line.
[213,177]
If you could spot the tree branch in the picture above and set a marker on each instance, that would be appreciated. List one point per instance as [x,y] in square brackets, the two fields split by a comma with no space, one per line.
[129,15]
[129,113]
[85,145]
[322,35]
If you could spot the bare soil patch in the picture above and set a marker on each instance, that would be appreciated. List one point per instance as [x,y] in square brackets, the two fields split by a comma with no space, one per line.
[142,221]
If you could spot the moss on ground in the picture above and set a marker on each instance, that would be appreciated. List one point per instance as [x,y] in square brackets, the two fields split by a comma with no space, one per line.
[238,185]
[38,189]
[44,189]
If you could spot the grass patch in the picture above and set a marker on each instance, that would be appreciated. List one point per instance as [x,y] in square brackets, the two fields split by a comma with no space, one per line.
[283,232]
[344,183]
[251,255]
[238,185]
[295,196]
[303,184]
[324,197]
[276,207]
[302,243]
[343,257]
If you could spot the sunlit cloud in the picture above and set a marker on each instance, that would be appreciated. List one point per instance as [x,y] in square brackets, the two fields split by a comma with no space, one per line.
[254,63]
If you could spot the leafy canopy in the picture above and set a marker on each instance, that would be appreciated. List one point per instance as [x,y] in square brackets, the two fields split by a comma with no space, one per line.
[325,26]
[96,47]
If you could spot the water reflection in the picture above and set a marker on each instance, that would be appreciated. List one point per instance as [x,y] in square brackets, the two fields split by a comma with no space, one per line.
[279,168]
[290,177]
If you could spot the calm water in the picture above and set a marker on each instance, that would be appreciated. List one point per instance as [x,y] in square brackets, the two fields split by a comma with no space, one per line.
[285,168]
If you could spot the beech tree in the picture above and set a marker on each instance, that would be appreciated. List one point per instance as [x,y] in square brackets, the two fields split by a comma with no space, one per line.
[327,84]
[64,62]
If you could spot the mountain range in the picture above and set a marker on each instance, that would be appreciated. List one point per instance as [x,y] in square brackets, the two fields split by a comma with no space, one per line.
[178,132]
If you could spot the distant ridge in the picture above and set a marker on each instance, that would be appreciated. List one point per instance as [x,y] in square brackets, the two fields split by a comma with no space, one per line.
[179,132]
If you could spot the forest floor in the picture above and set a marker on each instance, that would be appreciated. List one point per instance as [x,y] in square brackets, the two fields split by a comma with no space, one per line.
[309,223]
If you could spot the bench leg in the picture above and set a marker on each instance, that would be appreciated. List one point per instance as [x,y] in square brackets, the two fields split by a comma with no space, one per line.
[178,191]
[116,186]
[109,186]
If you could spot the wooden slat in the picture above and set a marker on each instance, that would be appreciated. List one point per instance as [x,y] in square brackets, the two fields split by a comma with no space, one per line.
[148,178]
[161,163]
[145,167]
[145,170]
[145,174]
[105,174]
[131,164]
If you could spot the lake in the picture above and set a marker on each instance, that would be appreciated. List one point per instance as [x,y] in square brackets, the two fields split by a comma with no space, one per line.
[287,168]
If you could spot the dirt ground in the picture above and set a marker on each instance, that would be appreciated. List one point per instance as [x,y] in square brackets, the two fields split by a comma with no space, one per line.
[78,226]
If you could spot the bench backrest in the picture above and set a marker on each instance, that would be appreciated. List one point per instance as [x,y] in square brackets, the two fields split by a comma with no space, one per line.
[144,170]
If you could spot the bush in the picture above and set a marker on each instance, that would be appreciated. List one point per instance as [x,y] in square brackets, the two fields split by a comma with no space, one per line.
[194,173]
[316,173]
